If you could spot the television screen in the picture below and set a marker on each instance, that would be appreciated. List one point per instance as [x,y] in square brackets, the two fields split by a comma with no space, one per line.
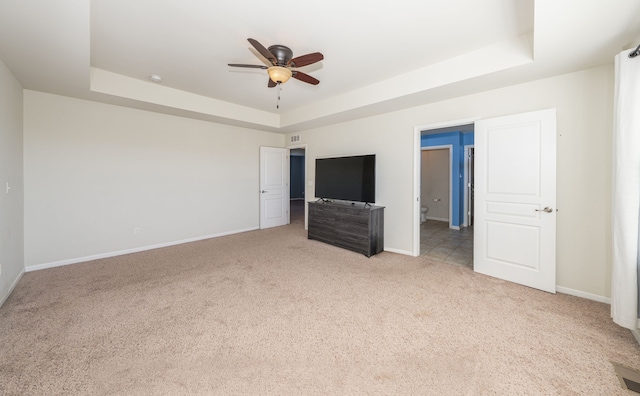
[347,178]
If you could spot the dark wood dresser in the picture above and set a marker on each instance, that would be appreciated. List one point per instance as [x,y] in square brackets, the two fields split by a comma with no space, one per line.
[349,226]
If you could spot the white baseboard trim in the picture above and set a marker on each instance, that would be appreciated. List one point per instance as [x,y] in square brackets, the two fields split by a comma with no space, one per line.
[602,299]
[437,218]
[588,296]
[129,251]
[399,251]
[13,286]
[595,297]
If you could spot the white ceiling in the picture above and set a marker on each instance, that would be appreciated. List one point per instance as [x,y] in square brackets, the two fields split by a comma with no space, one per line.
[379,56]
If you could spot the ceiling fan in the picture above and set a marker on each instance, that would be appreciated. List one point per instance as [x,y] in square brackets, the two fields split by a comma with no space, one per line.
[283,63]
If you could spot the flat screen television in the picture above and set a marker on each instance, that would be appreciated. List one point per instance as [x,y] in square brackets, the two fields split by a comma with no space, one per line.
[347,178]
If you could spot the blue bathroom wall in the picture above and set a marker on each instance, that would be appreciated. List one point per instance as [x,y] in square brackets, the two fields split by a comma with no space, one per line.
[458,140]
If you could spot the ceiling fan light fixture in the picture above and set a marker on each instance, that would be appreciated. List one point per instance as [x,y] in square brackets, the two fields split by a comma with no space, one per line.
[279,74]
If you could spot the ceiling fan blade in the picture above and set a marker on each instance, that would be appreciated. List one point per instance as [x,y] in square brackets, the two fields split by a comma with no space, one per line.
[250,66]
[271,84]
[305,60]
[263,51]
[305,77]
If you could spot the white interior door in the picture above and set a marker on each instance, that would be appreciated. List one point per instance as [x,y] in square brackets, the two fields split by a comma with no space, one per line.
[274,187]
[515,198]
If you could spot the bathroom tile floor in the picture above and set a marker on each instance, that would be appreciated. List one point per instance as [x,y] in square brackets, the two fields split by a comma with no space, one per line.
[440,243]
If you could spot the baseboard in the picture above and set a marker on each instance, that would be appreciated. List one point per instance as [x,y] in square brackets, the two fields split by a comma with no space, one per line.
[594,297]
[13,286]
[129,251]
[399,251]
[588,296]
[453,227]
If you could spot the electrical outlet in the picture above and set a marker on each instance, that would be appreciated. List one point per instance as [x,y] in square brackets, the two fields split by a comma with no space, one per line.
[136,230]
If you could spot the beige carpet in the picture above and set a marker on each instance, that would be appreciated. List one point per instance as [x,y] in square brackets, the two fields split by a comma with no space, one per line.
[270,312]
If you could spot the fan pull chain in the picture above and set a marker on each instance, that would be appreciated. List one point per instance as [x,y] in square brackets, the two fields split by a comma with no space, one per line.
[278,101]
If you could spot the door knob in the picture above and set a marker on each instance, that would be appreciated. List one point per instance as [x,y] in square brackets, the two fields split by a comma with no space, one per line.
[263,191]
[546,210]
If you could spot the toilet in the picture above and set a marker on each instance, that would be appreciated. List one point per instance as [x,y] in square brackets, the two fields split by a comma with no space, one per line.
[423,214]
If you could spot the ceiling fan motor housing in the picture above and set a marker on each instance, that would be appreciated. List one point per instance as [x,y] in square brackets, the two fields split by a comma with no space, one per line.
[283,54]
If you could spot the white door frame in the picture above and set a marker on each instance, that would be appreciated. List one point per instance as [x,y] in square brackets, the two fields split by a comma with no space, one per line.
[417,149]
[448,147]
[467,208]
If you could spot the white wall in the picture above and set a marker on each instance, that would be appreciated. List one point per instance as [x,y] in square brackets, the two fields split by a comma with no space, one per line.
[94,172]
[11,204]
[394,167]
[584,103]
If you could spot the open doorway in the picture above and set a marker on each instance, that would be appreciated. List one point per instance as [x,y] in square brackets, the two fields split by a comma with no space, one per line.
[297,172]
[435,188]
[446,232]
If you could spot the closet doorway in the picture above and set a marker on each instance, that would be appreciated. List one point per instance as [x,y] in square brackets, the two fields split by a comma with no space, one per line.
[297,185]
